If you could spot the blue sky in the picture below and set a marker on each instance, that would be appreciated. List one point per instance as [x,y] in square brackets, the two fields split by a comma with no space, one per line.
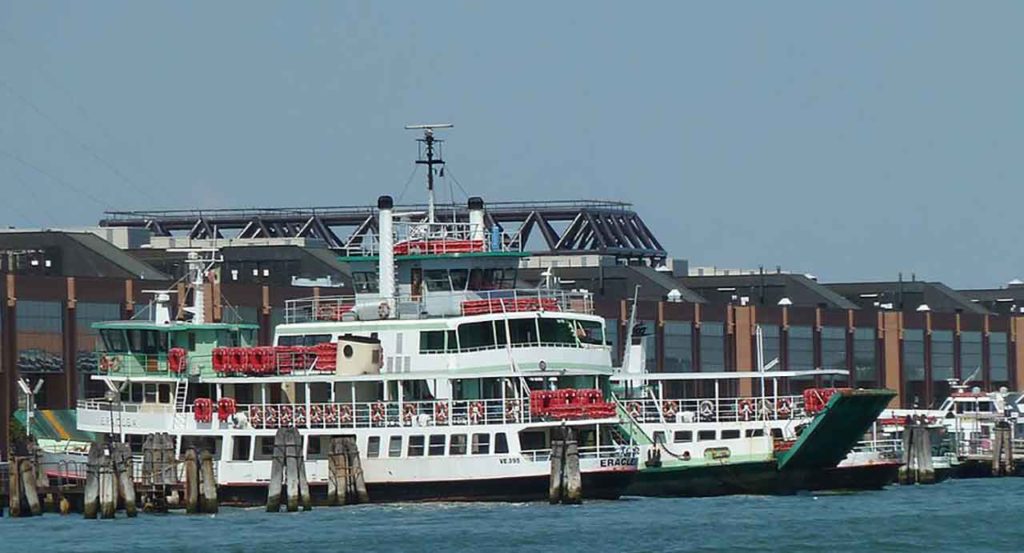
[850,141]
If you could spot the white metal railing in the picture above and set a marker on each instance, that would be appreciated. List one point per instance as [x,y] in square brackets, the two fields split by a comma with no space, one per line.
[103,405]
[886,445]
[614,451]
[710,409]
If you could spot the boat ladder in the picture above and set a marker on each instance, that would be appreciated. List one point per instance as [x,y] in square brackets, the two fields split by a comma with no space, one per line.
[180,395]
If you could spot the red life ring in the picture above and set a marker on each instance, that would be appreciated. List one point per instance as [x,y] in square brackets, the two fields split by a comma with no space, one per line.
[441,412]
[746,409]
[272,417]
[110,363]
[255,416]
[300,415]
[669,409]
[784,407]
[633,409]
[333,416]
[176,360]
[316,415]
[286,412]
[476,412]
[512,408]
[408,412]
[378,413]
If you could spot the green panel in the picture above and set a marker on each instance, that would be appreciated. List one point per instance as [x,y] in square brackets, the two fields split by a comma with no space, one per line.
[55,424]
[832,434]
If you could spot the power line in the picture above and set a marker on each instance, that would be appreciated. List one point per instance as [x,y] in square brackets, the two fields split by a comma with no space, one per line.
[31,191]
[56,179]
[73,137]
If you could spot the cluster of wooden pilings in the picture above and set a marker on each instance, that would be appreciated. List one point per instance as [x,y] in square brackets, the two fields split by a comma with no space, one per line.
[345,483]
[1003,463]
[917,455]
[566,485]
[29,490]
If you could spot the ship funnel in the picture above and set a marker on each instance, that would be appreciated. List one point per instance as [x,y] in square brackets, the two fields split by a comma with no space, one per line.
[477,232]
[386,257]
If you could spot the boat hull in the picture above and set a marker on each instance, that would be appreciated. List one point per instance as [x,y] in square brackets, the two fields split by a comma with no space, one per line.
[596,485]
[757,478]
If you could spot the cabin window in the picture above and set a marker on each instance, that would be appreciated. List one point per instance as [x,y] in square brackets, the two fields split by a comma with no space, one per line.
[303,339]
[659,437]
[365,282]
[457,445]
[164,391]
[755,432]
[436,445]
[432,341]
[683,436]
[373,447]
[415,446]
[500,336]
[267,445]
[395,446]
[730,434]
[777,433]
[481,444]
[113,340]
[500,443]
[556,332]
[451,342]
[240,446]
[313,446]
[149,393]
[191,341]
[459,278]
[147,341]
[475,336]
[704,435]
[437,280]
[590,332]
[532,439]
[523,331]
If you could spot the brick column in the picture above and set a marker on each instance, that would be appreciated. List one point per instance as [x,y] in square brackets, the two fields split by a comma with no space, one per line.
[891,330]
[744,321]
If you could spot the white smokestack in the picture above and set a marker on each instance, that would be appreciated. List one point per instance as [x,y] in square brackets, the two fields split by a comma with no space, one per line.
[386,257]
[476,219]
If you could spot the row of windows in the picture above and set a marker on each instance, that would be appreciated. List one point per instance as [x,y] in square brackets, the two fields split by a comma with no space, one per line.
[686,436]
[434,445]
[516,332]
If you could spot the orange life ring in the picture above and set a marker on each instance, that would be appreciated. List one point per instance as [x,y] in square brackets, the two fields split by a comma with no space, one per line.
[441,412]
[512,409]
[746,409]
[633,409]
[408,412]
[344,414]
[316,414]
[377,413]
[476,412]
[669,409]
[784,407]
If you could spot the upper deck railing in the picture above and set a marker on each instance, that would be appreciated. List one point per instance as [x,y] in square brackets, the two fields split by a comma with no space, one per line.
[473,302]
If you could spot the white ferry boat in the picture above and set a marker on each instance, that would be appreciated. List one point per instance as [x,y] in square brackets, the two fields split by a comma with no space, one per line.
[452,382]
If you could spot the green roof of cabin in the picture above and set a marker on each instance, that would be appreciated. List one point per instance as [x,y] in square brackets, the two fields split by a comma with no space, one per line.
[174,326]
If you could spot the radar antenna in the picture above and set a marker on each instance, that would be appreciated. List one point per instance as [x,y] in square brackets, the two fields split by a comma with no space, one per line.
[426,157]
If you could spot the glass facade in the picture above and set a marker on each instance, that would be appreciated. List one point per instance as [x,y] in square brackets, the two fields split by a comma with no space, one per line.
[970,356]
[942,363]
[241,314]
[997,359]
[712,347]
[650,342]
[86,339]
[913,367]
[770,338]
[800,348]
[678,346]
[40,327]
[833,347]
[865,357]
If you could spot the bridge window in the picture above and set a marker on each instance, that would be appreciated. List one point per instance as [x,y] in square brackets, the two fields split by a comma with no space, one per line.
[113,341]
[147,341]
[459,278]
[432,341]
[365,282]
[558,332]
[303,339]
[474,336]
[240,448]
[437,280]
[755,432]
[523,331]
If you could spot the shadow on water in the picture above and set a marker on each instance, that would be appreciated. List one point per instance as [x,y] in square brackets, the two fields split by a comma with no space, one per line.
[976,515]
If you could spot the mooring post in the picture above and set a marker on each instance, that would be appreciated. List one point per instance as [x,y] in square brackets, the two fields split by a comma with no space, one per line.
[208,483]
[14,488]
[91,498]
[304,497]
[332,474]
[123,473]
[291,469]
[191,482]
[276,474]
[573,478]
[556,488]
[108,484]
[354,473]
[28,485]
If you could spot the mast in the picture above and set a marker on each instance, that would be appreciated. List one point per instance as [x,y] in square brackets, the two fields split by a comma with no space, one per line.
[427,157]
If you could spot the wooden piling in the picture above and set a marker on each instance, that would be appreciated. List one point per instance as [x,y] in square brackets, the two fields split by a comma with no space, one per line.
[28,485]
[276,474]
[191,482]
[555,487]
[291,469]
[357,483]
[91,499]
[573,486]
[122,464]
[917,455]
[108,485]
[1002,450]
[208,483]
[304,497]
[14,488]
